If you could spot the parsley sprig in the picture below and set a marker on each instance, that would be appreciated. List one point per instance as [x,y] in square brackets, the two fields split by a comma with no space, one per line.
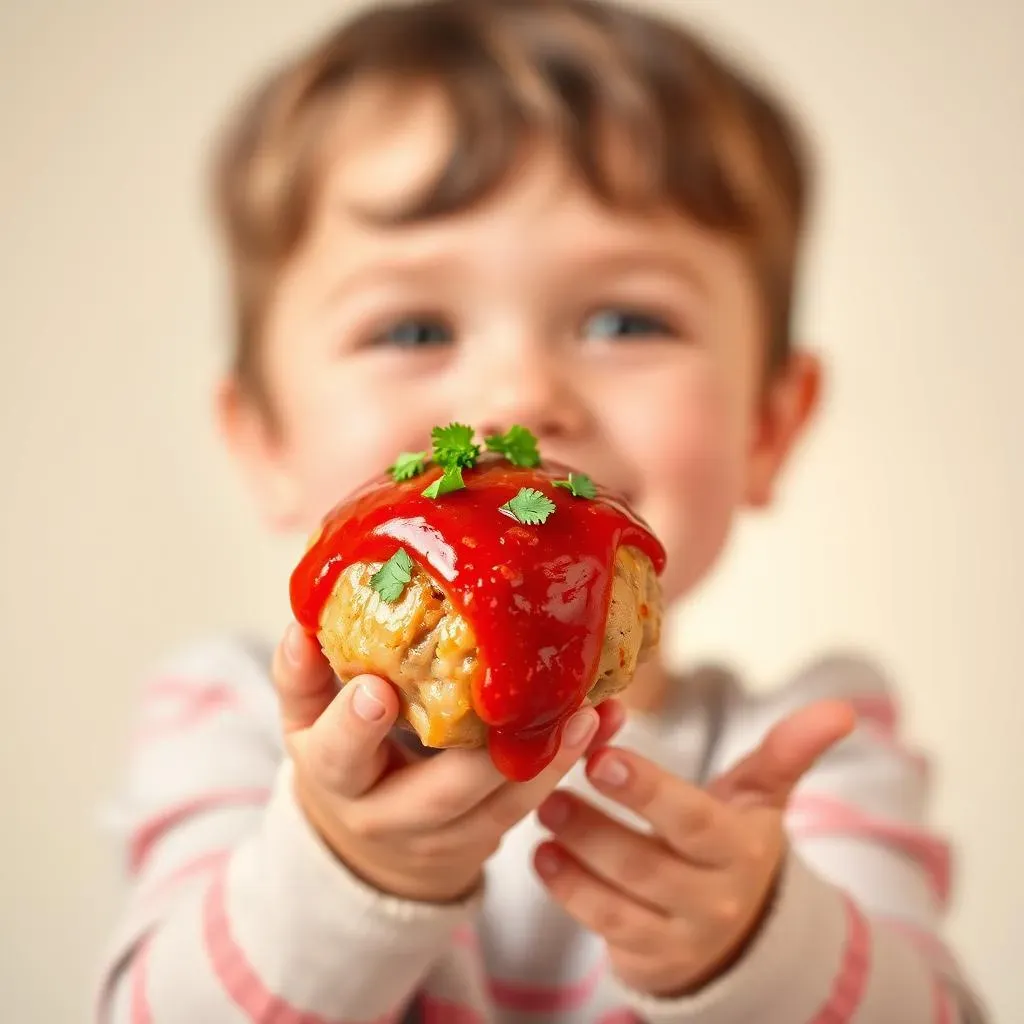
[529,506]
[454,451]
[579,485]
[453,446]
[450,480]
[517,444]
[408,465]
[391,578]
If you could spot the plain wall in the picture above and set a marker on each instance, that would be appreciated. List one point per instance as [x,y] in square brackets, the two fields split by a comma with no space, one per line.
[125,532]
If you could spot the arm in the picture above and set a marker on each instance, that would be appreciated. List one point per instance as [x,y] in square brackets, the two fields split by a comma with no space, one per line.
[854,931]
[236,911]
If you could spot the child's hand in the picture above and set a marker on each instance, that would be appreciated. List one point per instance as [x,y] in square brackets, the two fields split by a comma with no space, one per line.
[677,908]
[420,830]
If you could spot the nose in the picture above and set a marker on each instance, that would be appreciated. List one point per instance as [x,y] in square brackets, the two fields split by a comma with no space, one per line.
[534,389]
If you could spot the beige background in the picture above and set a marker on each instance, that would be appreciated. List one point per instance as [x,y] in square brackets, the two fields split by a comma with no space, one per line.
[124,533]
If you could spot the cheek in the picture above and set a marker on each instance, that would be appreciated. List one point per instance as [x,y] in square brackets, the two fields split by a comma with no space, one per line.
[335,452]
[694,465]
[339,435]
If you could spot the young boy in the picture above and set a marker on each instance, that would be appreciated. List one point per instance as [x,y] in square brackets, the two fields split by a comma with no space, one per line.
[576,218]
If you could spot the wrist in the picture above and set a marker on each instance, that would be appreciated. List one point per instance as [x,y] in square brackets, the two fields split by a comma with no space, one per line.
[738,948]
[746,938]
[440,887]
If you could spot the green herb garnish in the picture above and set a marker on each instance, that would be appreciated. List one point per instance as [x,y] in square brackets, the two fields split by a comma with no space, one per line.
[529,506]
[579,485]
[450,480]
[453,446]
[454,451]
[390,579]
[408,465]
[517,444]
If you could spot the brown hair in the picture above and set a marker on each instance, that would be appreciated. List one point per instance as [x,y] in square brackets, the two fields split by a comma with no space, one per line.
[700,134]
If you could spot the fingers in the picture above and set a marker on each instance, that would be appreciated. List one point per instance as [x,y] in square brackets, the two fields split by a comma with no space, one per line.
[612,718]
[445,789]
[638,865]
[304,681]
[598,906]
[514,802]
[770,773]
[434,791]
[347,748]
[649,951]
[693,823]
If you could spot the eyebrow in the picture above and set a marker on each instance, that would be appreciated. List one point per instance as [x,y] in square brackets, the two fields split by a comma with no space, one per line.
[609,262]
[368,275]
[621,261]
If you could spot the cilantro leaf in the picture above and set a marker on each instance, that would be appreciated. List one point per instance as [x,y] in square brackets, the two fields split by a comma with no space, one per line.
[529,506]
[408,465]
[453,446]
[390,579]
[450,480]
[579,485]
[517,444]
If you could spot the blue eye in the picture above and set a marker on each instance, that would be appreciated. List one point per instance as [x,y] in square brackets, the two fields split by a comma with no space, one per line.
[415,333]
[624,323]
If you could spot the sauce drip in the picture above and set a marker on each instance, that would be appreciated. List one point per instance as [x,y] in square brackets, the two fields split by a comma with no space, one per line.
[536,597]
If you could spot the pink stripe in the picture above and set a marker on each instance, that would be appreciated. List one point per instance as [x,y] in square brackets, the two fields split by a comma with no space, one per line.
[851,982]
[443,1011]
[620,1017]
[827,816]
[943,1003]
[878,709]
[208,862]
[140,1010]
[513,995]
[240,980]
[150,832]
[188,703]
[465,936]
[176,686]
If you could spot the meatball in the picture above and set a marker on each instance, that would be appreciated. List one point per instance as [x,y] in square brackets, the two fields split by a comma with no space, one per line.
[427,648]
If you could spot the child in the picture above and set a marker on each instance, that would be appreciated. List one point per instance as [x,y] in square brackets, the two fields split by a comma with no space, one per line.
[575,218]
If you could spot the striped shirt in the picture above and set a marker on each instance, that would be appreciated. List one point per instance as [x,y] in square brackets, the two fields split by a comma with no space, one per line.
[235,912]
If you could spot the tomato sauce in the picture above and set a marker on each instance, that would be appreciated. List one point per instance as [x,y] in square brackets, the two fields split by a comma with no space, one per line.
[536,597]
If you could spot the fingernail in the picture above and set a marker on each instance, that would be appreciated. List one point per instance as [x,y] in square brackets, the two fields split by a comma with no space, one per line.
[294,641]
[554,812]
[581,727]
[366,705]
[610,770]
[547,862]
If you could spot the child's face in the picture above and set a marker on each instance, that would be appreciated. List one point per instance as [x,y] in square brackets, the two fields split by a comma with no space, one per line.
[633,348]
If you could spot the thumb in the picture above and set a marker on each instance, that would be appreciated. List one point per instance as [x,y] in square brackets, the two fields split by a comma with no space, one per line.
[347,749]
[790,749]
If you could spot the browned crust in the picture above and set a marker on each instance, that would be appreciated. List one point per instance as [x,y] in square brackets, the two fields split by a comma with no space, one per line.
[425,646]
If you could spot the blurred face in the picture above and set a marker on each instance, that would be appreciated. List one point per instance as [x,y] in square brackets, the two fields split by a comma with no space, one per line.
[631,347]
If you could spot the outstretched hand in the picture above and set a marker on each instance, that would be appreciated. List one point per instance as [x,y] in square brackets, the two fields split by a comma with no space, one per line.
[415,828]
[678,906]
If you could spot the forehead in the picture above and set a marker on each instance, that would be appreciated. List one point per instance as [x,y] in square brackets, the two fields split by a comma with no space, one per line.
[385,145]
[388,144]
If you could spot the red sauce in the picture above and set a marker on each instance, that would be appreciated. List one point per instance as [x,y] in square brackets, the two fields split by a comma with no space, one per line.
[536,596]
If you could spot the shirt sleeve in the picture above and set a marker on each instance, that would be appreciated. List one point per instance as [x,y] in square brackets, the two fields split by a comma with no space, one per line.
[855,932]
[235,910]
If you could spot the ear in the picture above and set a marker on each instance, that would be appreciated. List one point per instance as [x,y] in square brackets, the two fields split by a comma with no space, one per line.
[785,411]
[256,447]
